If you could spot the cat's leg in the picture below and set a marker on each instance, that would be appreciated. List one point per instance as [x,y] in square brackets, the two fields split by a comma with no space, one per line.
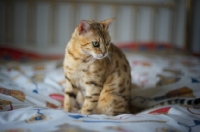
[70,96]
[92,89]
[114,98]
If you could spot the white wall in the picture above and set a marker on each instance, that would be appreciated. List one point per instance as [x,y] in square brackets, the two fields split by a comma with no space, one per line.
[67,17]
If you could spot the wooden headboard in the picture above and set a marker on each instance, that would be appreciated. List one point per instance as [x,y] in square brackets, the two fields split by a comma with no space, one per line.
[48,24]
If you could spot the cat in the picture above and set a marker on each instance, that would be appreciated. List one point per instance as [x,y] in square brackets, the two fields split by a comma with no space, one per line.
[97,72]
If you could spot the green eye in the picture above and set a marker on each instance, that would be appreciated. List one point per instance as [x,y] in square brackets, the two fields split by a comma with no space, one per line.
[95,44]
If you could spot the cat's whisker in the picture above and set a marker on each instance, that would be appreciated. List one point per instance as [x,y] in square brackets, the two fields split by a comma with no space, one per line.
[108,56]
[89,58]
[92,60]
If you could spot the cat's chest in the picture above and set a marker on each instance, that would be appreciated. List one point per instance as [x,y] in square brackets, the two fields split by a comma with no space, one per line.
[76,71]
[79,73]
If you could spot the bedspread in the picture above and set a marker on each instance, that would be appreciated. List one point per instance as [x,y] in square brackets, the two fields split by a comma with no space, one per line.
[31,96]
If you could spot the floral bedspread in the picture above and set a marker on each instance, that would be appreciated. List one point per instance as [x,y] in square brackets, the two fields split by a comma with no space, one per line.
[31,96]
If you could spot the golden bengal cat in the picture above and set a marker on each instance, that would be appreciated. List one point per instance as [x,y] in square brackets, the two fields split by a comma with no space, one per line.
[96,71]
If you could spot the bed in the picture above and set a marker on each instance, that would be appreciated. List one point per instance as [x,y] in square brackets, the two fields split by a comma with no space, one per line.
[165,95]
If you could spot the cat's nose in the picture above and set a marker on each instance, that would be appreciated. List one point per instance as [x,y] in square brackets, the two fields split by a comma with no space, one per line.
[103,53]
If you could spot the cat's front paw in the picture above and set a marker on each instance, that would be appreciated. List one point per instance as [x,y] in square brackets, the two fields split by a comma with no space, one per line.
[86,112]
[67,108]
[75,110]
[79,111]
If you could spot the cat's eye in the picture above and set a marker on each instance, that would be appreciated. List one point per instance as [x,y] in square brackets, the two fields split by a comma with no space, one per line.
[107,43]
[95,44]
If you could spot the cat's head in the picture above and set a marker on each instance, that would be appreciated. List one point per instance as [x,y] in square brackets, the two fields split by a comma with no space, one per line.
[94,38]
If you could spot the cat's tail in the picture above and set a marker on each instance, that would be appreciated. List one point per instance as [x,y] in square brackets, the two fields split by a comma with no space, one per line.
[179,101]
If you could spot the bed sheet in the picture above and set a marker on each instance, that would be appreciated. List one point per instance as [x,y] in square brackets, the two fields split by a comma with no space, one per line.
[31,96]
[162,77]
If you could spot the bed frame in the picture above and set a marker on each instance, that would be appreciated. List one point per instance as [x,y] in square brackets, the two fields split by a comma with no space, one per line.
[48,24]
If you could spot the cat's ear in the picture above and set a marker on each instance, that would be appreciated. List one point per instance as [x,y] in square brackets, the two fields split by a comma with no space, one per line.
[107,22]
[83,27]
